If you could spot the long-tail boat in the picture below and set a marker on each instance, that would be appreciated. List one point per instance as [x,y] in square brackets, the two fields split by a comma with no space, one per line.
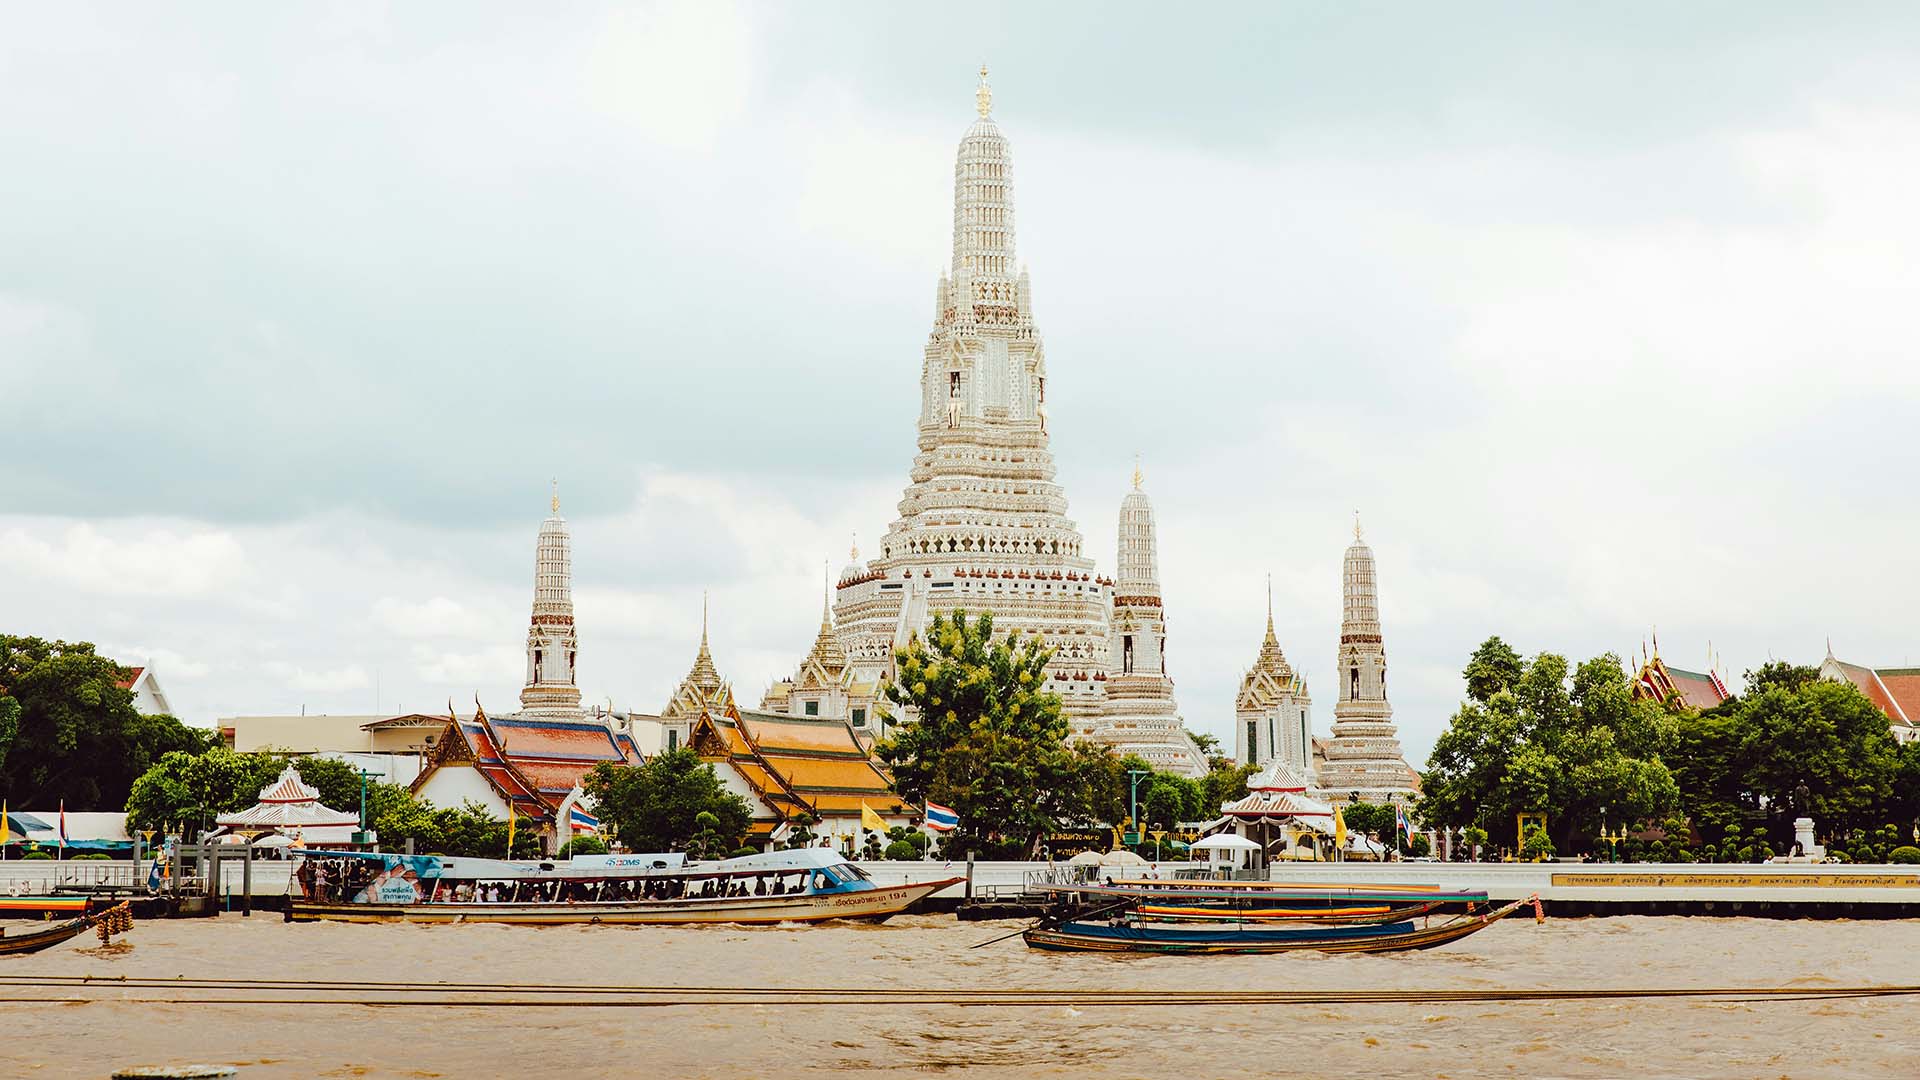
[1221,901]
[118,916]
[802,885]
[1125,934]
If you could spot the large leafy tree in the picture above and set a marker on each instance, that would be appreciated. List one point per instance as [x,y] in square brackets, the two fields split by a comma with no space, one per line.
[984,736]
[1827,737]
[1535,737]
[1224,783]
[184,792]
[657,806]
[69,732]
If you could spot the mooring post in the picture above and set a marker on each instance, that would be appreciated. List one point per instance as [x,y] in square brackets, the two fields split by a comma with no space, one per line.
[246,881]
[969,877]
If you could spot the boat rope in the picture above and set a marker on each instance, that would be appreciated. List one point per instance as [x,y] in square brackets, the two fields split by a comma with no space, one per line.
[82,989]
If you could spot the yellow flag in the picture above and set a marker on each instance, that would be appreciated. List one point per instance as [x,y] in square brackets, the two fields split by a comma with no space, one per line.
[1339,830]
[6,834]
[871,820]
[510,820]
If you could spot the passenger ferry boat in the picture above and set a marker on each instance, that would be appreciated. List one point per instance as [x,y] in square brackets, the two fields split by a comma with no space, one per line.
[802,885]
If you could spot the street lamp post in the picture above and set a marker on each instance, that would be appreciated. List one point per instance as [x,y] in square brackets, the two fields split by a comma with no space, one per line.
[364,777]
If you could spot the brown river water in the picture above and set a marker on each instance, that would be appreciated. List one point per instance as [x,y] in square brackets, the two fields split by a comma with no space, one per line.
[1583,1038]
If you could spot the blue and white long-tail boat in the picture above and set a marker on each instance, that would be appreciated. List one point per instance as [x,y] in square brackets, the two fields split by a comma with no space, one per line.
[802,885]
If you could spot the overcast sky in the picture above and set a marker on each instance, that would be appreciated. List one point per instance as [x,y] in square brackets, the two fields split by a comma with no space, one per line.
[1602,318]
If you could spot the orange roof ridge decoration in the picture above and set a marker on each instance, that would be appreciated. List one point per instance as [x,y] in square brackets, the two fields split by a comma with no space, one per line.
[1678,688]
[531,762]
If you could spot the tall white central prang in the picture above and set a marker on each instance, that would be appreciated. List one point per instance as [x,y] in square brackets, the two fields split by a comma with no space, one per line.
[982,524]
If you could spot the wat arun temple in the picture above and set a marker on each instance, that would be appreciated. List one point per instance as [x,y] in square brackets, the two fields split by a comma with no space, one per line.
[983,527]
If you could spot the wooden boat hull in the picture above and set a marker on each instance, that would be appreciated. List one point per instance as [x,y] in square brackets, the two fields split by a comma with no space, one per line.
[870,904]
[13,944]
[1393,937]
[1264,914]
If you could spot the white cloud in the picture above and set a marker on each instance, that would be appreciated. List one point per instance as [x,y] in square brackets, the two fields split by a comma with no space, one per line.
[328,681]
[119,560]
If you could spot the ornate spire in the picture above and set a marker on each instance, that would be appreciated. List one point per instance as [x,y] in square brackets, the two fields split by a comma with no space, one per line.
[983,247]
[1138,558]
[703,687]
[1356,528]
[556,494]
[551,645]
[983,95]
[1138,476]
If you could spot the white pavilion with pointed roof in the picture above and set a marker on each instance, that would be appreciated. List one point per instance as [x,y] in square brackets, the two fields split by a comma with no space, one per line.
[1280,814]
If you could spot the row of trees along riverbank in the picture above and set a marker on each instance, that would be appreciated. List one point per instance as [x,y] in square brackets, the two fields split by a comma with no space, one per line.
[1538,736]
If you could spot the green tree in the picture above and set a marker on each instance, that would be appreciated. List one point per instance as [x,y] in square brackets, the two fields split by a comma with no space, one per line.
[1374,819]
[1534,736]
[656,806]
[338,782]
[1827,736]
[1492,668]
[187,791]
[1224,783]
[1209,747]
[470,829]
[581,845]
[1166,799]
[69,732]
[394,813]
[1538,844]
[983,736]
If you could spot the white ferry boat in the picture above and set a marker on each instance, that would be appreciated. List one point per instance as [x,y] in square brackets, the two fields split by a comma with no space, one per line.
[802,885]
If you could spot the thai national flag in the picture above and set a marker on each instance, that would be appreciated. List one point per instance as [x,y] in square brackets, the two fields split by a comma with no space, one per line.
[583,821]
[941,818]
[1400,821]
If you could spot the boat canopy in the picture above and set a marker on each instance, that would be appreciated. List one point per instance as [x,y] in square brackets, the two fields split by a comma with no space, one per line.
[667,863]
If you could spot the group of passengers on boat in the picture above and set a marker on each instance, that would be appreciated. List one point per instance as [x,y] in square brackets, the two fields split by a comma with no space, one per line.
[625,890]
[334,879]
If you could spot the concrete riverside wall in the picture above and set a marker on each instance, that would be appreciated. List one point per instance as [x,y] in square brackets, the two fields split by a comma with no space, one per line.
[1587,886]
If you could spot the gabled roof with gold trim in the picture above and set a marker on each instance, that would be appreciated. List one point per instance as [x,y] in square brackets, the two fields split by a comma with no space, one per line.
[531,762]
[798,764]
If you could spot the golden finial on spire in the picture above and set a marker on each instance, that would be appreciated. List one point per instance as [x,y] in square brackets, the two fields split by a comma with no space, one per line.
[1138,476]
[1356,526]
[853,551]
[983,97]
[556,494]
